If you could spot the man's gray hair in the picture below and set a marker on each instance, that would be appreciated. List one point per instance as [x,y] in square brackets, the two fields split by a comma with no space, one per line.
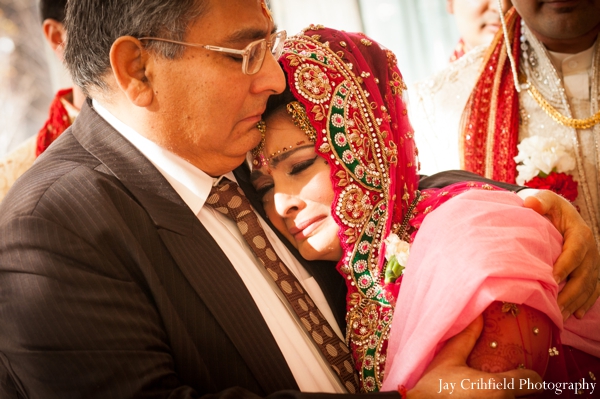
[94,25]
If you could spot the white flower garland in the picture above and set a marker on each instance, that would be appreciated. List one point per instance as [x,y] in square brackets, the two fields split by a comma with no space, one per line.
[542,155]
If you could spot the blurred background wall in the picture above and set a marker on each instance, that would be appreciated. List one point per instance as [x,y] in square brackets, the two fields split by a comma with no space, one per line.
[25,82]
[420,32]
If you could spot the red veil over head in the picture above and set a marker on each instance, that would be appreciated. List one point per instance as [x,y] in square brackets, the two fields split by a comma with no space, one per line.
[352,92]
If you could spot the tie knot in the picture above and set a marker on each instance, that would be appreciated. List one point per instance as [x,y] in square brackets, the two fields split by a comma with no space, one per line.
[229,199]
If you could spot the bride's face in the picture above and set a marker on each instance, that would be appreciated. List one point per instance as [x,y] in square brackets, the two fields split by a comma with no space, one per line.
[296,190]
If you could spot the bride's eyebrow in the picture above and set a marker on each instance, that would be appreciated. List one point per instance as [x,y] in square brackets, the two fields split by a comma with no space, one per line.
[285,154]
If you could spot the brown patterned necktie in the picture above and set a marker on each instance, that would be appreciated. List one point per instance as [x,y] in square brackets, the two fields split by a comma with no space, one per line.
[230,200]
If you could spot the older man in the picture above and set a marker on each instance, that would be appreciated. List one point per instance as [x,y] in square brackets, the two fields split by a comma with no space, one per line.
[553,109]
[117,277]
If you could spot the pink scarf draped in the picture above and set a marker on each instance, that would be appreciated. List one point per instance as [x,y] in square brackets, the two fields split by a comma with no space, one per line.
[509,257]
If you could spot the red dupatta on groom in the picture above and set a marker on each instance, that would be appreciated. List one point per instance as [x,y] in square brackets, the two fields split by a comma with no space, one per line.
[490,121]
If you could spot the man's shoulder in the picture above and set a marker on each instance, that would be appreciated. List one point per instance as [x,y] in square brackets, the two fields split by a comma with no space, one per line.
[458,76]
[436,107]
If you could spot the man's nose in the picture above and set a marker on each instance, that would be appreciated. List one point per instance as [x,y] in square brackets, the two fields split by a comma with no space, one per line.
[270,77]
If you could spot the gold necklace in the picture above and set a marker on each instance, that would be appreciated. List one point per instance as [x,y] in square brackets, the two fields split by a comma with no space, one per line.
[537,96]
[557,116]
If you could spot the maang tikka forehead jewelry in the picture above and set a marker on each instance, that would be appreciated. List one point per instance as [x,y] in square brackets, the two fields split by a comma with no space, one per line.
[300,120]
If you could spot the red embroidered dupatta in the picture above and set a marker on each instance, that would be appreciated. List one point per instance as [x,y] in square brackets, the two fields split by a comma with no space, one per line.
[490,121]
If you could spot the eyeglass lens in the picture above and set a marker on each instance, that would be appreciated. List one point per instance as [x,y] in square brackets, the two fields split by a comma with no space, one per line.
[256,57]
[257,52]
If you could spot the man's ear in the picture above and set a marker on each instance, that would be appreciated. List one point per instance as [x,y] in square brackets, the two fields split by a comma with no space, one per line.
[450,6]
[131,65]
[55,35]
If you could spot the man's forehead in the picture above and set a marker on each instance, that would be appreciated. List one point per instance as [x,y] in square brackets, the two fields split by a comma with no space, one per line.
[251,21]
[248,33]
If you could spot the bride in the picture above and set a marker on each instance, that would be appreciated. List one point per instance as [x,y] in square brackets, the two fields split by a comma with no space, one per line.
[338,174]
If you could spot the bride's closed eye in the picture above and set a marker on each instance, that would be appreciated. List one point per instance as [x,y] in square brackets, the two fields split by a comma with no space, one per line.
[265,183]
[300,167]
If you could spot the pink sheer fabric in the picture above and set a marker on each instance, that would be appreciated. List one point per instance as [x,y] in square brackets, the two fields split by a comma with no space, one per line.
[447,284]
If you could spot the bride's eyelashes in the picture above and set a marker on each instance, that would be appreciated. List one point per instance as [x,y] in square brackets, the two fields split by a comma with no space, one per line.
[302,166]
[265,184]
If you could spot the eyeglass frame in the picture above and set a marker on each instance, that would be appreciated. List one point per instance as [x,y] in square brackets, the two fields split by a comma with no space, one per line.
[282,35]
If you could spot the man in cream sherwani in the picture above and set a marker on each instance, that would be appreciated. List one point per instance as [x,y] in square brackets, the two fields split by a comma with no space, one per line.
[560,57]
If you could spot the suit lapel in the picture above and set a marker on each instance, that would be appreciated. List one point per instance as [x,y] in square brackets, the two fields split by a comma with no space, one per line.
[325,273]
[194,250]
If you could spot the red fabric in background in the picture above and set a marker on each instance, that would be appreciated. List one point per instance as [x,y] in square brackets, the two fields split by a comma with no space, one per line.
[58,121]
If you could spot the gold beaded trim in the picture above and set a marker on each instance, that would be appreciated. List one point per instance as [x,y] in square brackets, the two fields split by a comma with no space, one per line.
[557,116]
[402,230]
[262,128]
[300,119]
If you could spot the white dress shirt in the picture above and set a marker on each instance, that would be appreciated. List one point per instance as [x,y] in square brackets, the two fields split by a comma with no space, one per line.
[311,371]
[575,69]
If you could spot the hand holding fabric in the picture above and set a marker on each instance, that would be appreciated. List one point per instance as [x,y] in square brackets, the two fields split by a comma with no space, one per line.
[579,262]
[449,367]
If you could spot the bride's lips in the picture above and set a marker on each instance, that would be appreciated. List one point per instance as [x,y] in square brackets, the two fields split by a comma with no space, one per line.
[303,229]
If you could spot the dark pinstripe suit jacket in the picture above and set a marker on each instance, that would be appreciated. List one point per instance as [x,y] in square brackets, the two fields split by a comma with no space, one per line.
[111,288]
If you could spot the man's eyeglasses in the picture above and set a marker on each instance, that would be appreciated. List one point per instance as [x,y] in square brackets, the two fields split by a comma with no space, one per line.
[252,56]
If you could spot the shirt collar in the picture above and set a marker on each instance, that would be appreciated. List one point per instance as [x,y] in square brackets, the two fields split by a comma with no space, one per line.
[191,183]
[571,64]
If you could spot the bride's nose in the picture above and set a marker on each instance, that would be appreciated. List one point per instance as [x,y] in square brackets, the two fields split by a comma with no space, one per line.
[287,205]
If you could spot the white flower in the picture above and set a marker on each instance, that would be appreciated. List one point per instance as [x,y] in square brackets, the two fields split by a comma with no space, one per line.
[543,154]
[527,171]
[394,246]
